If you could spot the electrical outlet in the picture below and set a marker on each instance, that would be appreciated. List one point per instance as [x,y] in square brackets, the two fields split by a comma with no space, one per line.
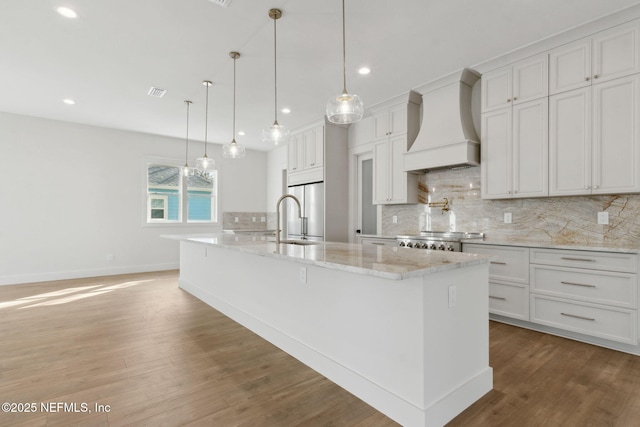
[110,257]
[452,296]
[603,218]
[253,218]
[508,219]
[236,219]
[394,219]
[263,219]
[303,275]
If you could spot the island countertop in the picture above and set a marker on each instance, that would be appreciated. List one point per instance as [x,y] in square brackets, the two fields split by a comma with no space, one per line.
[380,261]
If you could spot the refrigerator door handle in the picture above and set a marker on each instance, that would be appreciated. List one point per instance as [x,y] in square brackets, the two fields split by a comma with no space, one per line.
[304,225]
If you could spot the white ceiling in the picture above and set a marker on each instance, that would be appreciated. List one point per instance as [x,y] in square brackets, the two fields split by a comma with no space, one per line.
[109,57]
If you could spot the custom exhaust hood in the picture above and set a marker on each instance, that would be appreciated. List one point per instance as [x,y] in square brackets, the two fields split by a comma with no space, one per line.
[447,136]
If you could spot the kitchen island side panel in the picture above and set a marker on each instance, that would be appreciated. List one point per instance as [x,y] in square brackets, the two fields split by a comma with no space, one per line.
[367,334]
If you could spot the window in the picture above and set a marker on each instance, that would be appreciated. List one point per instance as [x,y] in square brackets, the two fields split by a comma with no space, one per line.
[171,197]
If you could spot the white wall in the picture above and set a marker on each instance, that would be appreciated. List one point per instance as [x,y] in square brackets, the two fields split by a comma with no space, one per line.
[276,162]
[71,194]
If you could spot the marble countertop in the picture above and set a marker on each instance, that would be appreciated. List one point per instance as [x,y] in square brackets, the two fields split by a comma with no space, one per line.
[380,261]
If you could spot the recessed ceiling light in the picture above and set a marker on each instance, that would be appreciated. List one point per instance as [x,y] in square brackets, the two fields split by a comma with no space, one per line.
[69,101]
[364,71]
[241,133]
[286,110]
[66,12]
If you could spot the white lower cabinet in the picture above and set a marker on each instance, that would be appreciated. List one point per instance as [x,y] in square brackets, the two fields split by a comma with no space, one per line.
[508,279]
[378,241]
[580,294]
[591,293]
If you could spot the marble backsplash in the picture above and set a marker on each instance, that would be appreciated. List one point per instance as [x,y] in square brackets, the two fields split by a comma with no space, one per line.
[248,221]
[556,220]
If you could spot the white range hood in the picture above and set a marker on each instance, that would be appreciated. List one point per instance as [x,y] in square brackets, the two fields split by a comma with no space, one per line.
[447,137]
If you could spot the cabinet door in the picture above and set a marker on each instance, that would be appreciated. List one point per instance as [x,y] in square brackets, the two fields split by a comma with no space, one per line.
[292,154]
[313,140]
[570,67]
[496,89]
[616,136]
[530,79]
[398,184]
[496,154]
[398,120]
[570,143]
[381,125]
[531,149]
[381,172]
[615,52]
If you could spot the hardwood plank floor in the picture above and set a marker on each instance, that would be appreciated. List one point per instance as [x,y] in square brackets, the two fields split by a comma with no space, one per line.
[160,357]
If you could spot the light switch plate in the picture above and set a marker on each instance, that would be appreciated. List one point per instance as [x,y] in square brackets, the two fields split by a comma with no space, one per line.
[303,275]
[394,219]
[508,219]
[603,218]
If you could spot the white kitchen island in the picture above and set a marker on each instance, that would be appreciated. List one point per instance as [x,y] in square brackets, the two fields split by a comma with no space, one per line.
[404,330]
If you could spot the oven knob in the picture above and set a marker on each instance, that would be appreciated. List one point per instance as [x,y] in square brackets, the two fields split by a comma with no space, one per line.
[432,246]
[450,248]
[409,245]
[423,246]
[401,244]
[441,247]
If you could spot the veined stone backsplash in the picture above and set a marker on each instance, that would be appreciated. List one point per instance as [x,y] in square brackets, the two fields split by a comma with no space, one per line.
[556,220]
[249,221]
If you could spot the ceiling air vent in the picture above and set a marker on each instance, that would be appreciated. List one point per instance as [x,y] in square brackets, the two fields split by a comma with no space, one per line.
[156,92]
[223,3]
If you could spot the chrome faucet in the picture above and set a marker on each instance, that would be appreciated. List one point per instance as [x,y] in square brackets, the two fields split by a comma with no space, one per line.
[284,196]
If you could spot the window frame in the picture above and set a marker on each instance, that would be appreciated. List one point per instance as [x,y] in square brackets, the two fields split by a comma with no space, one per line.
[183,197]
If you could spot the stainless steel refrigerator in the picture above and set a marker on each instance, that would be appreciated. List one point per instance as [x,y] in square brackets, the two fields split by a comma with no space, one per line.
[311,198]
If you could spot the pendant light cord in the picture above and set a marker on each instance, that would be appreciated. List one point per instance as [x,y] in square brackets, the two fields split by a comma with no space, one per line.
[275,73]
[186,151]
[344,53]
[233,139]
[206,118]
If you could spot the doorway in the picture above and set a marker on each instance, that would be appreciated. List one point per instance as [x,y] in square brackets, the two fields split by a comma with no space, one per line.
[367,217]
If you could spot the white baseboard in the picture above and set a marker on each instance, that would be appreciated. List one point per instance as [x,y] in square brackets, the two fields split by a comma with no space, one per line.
[79,274]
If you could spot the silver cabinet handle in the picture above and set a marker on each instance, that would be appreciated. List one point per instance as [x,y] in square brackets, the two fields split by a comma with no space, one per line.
[586,79]
[596,76]
[568,258]
[498,298]
[586,187]
[595,187]
[579,317]
[578,284]
[498,262]
[515,98]
[377,243]
[509,100]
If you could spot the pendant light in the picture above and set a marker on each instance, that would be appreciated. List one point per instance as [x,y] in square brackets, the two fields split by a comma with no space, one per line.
[205,163]
[344,108]
[276,133]
[233,149]
[185,168]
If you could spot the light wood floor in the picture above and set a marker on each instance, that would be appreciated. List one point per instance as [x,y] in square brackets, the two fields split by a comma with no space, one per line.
[160,357]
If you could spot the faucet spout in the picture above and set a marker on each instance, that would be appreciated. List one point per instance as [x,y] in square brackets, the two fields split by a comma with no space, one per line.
[284,196]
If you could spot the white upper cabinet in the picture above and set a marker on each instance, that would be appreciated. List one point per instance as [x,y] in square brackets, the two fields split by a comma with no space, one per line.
[391,122]
[515,151]
[391,184]
[313,141]
[521,82]
[295,153]
[605,56]
[595,139]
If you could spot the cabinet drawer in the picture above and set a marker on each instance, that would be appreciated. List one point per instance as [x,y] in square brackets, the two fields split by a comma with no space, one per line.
[610,261]
[379,241]
[599,287]
[610,323]
[509,300]
[511,264]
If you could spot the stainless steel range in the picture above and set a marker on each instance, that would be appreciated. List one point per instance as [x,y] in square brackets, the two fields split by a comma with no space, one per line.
[438,240]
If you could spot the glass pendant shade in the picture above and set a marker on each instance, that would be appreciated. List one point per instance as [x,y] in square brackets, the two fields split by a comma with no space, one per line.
[276,134]
[233,150]
[205,163]
[345,108]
